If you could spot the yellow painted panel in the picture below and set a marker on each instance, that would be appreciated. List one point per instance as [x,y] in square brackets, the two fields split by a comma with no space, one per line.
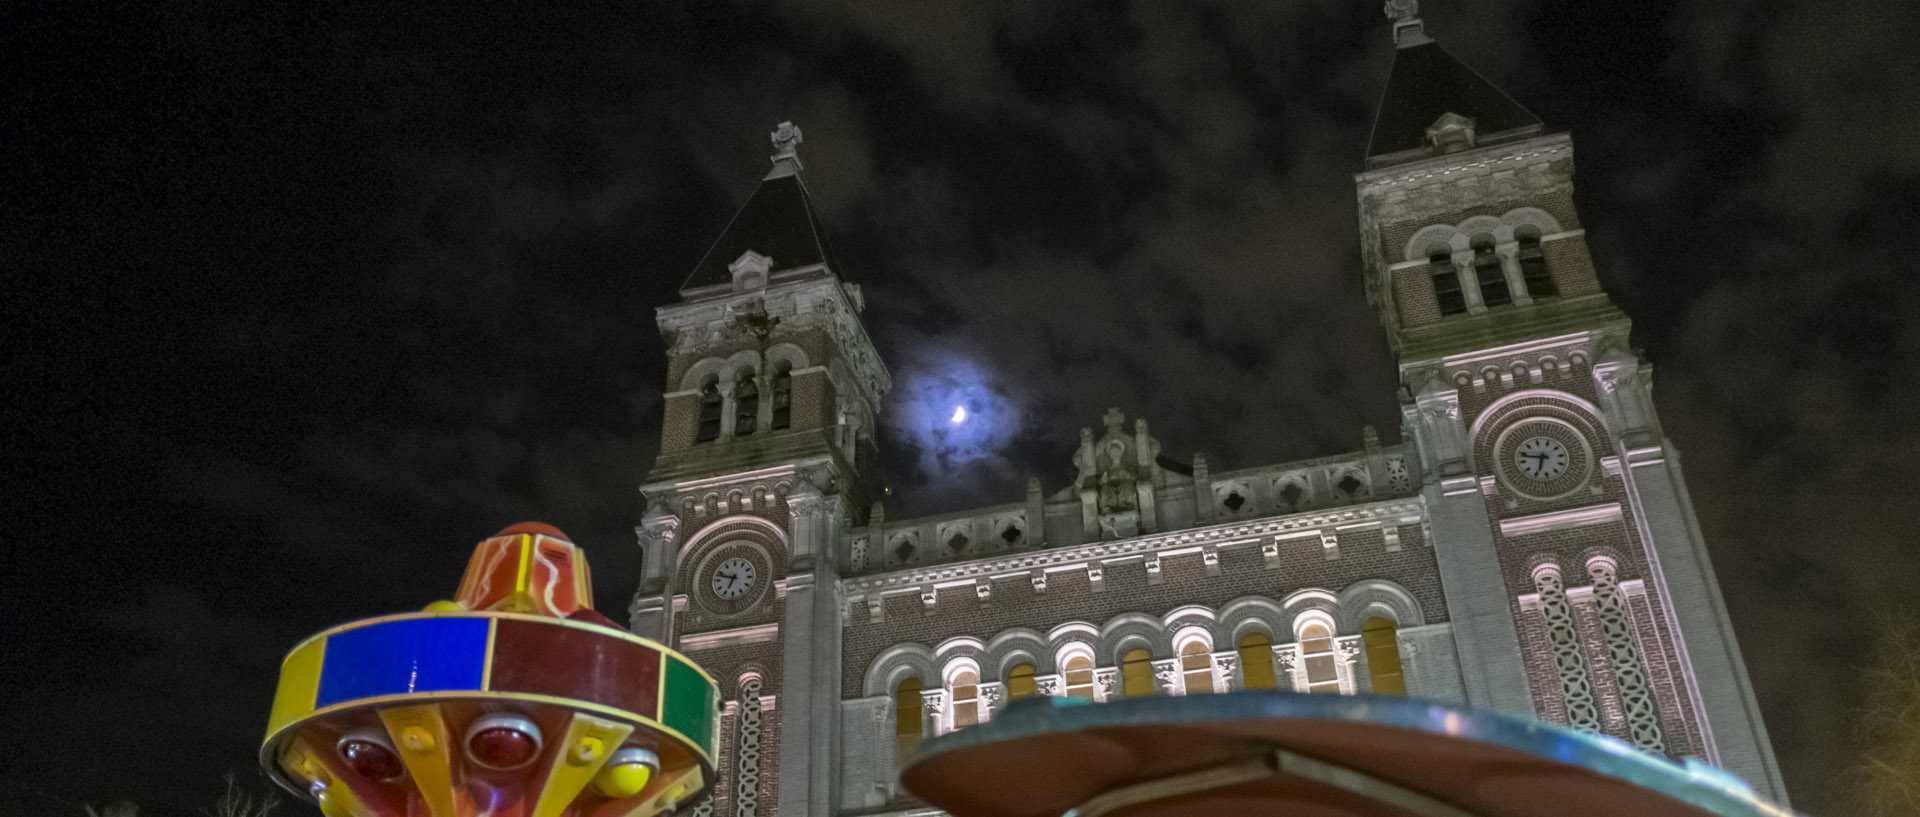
[589,742]
[299,684]
[425,744]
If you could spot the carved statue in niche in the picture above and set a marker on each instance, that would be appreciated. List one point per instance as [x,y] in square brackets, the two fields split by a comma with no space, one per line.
[1117,477]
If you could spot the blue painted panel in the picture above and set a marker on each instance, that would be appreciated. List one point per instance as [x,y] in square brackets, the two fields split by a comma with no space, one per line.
[401,656]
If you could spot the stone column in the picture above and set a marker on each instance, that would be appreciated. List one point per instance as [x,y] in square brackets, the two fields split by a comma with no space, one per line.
[763,410]
[651,613]
[933,711]
[1346,663]
[1509,253]
[726,388]
[1167,672]
[810,679]
[993,698]
[1469,281]
[1224,672]
[1292,670]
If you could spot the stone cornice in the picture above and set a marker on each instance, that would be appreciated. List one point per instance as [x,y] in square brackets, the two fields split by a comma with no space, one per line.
[1561,520]
[1237,533]
[755,634]
[1453,166]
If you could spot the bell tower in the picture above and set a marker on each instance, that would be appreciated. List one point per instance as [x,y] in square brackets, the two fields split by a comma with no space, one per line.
[1574,571]
[766,455]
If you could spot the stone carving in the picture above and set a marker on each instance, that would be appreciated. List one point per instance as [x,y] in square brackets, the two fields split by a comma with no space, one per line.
[990,696]
[1117,477]
[1108,681]
[1402,10]
[1046,685]
[1223,664]
[786,138]
[1168,674]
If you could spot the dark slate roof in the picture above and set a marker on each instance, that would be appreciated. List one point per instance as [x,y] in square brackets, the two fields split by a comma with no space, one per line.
[778,222]
[1427,82]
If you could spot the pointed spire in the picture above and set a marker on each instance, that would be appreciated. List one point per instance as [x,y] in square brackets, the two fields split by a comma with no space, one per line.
[1435,104]
[777,226]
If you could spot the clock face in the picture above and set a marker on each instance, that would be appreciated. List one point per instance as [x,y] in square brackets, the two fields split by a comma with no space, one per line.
[733,578]
[1541,458]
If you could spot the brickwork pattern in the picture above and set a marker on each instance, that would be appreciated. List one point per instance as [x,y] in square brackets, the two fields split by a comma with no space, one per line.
[1069,596]
[1414,296]
[1570,549]
[1571,266]
[1678,722]
[1542,680]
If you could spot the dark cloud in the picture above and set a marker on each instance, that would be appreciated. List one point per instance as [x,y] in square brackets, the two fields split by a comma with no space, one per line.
[316,299]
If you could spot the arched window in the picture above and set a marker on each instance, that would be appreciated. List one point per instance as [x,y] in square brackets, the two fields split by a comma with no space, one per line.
[1533,263]
[906,716]
[1020,682]
[1079,671]
[746,404]
[783,395]
[1316,648]
[1256,661]
[1487,272]
[709,412]
[1196,667]
[1136,673]
[1378,635]
[964,690]
[1446,280]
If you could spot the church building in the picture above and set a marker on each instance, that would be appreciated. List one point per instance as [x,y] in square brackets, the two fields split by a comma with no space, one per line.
[1529,547]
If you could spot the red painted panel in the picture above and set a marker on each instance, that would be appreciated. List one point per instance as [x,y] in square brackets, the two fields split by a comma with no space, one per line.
[575,662]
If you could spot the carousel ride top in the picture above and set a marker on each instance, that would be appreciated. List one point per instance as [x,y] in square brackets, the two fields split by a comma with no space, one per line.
[513,699]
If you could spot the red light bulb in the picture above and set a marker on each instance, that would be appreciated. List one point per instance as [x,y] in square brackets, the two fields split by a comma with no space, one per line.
[371,760]
[502,747]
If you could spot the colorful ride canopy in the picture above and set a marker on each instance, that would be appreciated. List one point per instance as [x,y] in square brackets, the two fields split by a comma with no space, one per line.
[515,699]
[1303,755]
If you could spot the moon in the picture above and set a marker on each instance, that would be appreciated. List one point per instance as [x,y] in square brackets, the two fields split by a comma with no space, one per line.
[959,415]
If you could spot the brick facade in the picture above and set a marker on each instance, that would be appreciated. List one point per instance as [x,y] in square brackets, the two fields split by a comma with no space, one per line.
[1439,535]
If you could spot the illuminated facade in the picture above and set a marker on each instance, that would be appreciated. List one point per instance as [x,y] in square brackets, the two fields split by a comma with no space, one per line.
[1529,547]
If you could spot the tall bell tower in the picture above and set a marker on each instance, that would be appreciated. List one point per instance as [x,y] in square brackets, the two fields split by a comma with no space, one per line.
[766,455]
[1574,570]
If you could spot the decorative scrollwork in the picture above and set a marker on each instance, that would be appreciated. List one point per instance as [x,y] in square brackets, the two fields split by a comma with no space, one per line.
[1567,660]
[746,766]
[1643,713]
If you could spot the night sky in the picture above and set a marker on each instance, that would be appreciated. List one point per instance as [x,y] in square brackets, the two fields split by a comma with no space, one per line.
[302,303]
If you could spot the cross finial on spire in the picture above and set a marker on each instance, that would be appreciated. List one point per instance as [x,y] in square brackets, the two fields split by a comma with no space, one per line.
[786,154]
[1407,29]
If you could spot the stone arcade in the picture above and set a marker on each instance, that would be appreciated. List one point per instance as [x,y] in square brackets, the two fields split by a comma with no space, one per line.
[1529,548]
